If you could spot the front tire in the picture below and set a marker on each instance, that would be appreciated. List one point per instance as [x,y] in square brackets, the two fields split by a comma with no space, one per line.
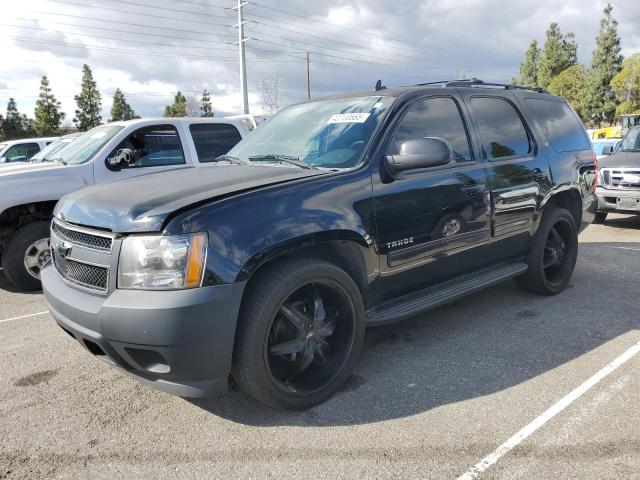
[25,254]
[553,254]
[300,333]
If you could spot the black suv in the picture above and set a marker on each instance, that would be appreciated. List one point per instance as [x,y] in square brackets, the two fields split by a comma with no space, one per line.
[335,214]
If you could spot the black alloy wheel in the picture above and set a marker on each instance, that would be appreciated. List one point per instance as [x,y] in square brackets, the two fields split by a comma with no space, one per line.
[553,254]
[300,333]
[310,338]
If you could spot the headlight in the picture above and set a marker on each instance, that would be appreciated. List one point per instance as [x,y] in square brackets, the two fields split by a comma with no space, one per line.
[162,263]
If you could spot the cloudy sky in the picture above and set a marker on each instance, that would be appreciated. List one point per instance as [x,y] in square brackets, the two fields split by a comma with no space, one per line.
[151,48]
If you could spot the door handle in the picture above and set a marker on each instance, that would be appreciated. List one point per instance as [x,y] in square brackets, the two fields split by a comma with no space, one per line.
[471,188]
[537,174]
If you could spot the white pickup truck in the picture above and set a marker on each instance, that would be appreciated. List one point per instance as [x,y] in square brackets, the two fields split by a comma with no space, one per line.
[28,192]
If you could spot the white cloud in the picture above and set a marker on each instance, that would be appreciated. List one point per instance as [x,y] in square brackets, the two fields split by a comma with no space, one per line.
[150,57]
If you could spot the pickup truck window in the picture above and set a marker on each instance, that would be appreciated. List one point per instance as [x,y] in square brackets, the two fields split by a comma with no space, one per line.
[213,139]
[327,133]
[22,152]
[500,127]
[434,117]
[154,146]
[87,145]
[560,124]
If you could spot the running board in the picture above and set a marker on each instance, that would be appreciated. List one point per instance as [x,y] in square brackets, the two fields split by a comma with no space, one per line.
[432,297]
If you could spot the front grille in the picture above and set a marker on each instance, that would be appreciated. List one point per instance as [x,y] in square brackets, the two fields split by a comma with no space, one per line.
[89,276]
[622,178]
[82,238]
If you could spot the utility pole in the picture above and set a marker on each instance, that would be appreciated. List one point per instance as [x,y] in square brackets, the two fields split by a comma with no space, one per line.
[308,78]
[243,62]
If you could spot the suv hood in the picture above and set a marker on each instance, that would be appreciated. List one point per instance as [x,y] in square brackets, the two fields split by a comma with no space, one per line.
[142,204]
[621,160]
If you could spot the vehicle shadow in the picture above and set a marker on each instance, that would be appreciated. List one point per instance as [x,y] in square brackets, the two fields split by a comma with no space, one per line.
[628,222]
[477,346]
[7,286]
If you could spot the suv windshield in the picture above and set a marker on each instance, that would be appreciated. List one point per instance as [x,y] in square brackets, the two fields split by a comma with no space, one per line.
[327,133]
[85,147]
[631,142]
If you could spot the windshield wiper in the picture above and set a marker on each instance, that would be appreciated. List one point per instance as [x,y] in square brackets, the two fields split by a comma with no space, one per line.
[630,149]
[273,157]
[230,159]
[57,159]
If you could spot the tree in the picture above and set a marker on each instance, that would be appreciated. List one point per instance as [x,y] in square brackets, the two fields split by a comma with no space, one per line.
[120,109]
[178,108]
[205,104]
[571,84]
[606,62]
[14,125]
[529,69]
[48,115]
[558,53]
[626,86]
[89,102]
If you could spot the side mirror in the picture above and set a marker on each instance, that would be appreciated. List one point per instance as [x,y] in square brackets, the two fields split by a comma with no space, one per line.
[422,152]
[3,159]
[124,157]
[608,150]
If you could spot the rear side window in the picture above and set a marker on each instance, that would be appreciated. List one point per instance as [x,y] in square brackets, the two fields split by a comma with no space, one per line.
[32,149]
[560,124]
[213,139]
[500,127]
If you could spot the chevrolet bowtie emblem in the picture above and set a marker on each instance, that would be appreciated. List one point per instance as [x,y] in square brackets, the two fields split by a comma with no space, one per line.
[63,249]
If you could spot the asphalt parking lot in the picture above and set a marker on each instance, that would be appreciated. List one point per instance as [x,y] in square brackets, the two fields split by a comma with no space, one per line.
[431,398]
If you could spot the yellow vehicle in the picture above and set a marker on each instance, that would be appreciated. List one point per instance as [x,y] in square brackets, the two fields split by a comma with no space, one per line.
[608,132]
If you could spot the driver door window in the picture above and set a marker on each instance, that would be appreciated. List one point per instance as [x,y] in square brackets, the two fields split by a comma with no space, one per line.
[434,117]
[154,146]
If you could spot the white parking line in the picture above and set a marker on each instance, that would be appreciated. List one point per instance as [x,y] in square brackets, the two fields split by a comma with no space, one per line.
[24,316]
[627,248]
[551,412]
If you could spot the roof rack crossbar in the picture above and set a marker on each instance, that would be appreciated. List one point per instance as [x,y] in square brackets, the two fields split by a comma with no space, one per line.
[475,82]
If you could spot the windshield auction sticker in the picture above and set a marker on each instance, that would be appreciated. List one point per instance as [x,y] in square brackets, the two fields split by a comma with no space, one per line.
[348,118]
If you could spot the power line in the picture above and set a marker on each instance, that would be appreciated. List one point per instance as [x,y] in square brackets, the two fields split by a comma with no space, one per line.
[102,37]
[137,52]
[326,23]
[190,20]
[118,22]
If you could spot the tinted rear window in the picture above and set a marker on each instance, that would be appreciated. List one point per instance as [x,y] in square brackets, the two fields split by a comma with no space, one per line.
[213,139]
[560,124]
[501,130]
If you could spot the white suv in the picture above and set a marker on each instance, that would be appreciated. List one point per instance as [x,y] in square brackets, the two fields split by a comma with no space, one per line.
[22,150]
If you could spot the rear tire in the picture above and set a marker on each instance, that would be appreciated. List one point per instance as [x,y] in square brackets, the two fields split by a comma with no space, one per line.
[600,218]
[300,333]
[553,254]
[25,254]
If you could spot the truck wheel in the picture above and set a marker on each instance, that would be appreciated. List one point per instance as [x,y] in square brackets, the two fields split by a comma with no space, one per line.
[600,218]
[25,254]
[553,254]
[300,333]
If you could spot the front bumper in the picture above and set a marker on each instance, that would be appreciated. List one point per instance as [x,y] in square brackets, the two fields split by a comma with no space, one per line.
[180,342]
[623,201]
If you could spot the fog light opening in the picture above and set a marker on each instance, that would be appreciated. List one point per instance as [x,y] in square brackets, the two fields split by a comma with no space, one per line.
[149,360]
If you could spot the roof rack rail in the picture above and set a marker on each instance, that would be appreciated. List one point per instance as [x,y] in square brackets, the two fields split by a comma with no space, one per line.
[475,82]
